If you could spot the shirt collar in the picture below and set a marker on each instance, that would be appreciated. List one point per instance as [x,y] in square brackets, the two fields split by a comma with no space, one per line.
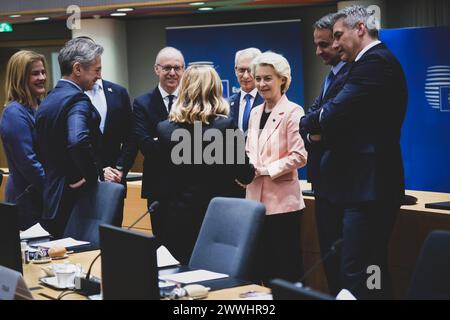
[99,83]
[367,48]
[70,81]
[252,93]
[337,67]
[164,93]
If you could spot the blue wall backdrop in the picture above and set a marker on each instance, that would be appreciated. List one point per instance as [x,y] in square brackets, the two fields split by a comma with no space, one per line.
[218,44]
[425,56]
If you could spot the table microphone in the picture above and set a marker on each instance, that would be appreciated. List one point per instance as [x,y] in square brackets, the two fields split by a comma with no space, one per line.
[333,250]
[91,287]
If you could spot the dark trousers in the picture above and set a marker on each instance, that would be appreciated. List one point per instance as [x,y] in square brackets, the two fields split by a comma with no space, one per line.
[158,220]
[279,253]
[365,229]
[329,220]
[57,225]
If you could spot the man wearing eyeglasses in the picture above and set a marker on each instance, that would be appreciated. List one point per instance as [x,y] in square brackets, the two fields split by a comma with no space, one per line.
[148,110]
[245,100]
[248,97]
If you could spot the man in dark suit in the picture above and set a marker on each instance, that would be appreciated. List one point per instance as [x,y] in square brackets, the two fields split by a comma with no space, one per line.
[148,110]
[67,132]
[118,152]
[247,98]
[328,221]
[242,103]
[362,170]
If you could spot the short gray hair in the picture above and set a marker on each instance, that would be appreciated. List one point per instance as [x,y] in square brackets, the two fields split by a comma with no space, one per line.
[81,50]
[279,64]
[168,51]
[325,23]
[355,14]
[251,53]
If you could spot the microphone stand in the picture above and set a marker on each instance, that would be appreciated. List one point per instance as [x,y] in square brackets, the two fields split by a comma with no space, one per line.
[331,252]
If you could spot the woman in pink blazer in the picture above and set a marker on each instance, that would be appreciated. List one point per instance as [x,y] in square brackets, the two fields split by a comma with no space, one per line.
[276,149]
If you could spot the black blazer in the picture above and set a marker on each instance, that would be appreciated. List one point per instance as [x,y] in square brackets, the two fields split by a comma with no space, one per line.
[317,149]
[190,186]
[234,102]
[148,111]
[361,127]
[117,146]
[68,142]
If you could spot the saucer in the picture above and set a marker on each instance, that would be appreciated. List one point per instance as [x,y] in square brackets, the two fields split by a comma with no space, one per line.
[60,258]
[53,282]
[42,261]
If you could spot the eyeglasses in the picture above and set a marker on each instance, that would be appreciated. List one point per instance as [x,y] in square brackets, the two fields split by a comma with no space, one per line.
[168,68]
[243,70]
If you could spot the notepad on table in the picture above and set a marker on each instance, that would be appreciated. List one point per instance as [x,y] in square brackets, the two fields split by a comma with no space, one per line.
[193,276]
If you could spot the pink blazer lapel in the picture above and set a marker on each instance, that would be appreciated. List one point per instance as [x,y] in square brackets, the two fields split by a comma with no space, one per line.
[273,122]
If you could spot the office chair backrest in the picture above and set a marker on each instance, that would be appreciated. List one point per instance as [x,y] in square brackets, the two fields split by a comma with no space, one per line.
[10,255]
[13,286]
[129,265]
[431,278]
[99,204]
[228,237]
[285,290]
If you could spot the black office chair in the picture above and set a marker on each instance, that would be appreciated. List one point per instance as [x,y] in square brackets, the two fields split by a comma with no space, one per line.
[431,278]
[228,237]
[99,204]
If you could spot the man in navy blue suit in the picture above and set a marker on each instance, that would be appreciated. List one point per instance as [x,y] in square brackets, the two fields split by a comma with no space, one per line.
[362,170]
[248,97]
[242,103]
[67,132]
[148,110]
[118,152]
[327,218]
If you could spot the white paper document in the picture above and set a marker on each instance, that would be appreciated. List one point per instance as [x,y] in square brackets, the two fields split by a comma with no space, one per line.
[35,231]
[193,276]
[66,243]
[165,258]
[344,294]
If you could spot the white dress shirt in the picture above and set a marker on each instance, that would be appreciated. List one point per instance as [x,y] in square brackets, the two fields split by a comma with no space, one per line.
[165,95]
[98,99]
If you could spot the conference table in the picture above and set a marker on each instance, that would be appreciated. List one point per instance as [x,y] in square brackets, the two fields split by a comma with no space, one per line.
[33,272]
[413,225]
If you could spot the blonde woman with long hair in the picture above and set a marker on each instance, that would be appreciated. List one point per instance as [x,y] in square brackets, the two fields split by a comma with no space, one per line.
[25,86]
[203,153]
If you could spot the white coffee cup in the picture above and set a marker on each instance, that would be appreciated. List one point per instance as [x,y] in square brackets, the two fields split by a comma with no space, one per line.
[65,274]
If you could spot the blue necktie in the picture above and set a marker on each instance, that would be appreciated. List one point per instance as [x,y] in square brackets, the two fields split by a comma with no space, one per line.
[328,81]
[247,110]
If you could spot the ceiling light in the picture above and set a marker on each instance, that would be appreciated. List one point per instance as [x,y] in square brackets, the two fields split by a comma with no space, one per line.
[205,9]
[15,15]
[125,9]
[118,14]
[41,18]
[197,3]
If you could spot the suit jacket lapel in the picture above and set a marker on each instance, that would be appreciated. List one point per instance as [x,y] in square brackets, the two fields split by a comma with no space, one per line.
[235,108]
[272,123]
[111,100]
[158,102]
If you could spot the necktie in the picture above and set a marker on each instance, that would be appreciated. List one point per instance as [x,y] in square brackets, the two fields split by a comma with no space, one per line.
[98,104]
[328,81]
[171,97]
[247,109]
